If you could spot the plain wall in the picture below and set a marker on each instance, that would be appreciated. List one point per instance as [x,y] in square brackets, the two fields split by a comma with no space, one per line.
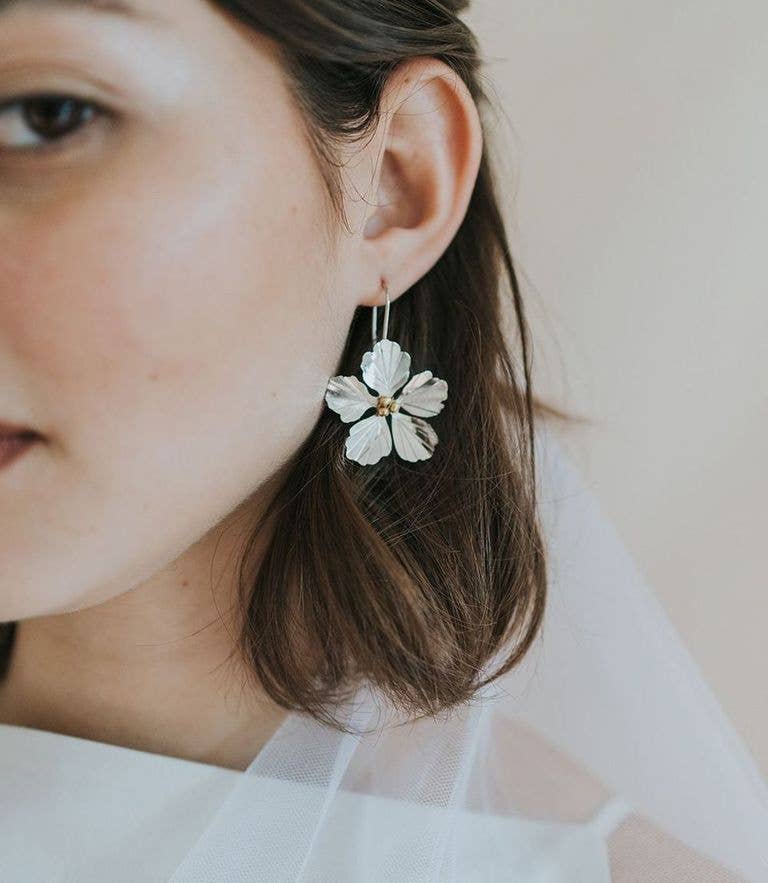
[635,146]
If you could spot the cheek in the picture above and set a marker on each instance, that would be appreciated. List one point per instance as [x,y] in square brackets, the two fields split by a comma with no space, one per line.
[180,292]
[169,330]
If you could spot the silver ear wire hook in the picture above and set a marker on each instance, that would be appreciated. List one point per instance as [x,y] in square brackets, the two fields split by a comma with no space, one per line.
[400,403]
[386,317]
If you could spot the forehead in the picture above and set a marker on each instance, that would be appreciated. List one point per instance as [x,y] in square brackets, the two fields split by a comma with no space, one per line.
[118,7]
[125,8]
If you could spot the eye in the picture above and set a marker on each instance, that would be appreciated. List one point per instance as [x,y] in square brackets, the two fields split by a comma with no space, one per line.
[32,123]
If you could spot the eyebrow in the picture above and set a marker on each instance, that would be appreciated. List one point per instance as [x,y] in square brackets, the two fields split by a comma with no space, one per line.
[112,7]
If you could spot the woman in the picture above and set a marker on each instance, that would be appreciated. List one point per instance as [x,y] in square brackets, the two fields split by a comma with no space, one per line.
[241,524]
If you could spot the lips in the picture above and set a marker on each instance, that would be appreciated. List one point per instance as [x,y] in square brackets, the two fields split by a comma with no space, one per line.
[14,440]
[12,429]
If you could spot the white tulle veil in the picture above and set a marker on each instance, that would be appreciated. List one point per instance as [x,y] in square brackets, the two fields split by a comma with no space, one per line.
[609,687]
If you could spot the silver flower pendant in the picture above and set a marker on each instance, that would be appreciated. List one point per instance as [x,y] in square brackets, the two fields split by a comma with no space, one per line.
[385,370]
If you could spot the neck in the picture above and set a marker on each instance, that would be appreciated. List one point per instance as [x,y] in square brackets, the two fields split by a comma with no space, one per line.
[155,669]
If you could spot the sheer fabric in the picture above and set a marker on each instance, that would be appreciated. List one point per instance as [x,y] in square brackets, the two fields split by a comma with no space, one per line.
[604,757]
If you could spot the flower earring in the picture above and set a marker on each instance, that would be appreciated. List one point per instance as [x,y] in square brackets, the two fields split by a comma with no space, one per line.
[385,369]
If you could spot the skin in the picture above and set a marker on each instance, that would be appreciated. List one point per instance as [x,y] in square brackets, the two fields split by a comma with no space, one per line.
[150,326]
[174,295]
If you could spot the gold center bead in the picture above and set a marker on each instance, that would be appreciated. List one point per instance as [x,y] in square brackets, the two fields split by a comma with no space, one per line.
[386,405]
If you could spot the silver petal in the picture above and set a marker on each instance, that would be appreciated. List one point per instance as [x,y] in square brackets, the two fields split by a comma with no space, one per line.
[369,440]
[386,367]
[414,438]
[348,397]
[423,395]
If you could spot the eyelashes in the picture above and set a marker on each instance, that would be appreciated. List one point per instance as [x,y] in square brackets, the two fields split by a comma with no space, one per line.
[45,121]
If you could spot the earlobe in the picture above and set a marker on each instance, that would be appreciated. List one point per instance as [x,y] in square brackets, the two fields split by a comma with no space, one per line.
[430,150]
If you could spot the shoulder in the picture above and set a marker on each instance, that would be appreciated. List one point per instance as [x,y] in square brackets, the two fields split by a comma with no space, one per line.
[640,850]
[537,779]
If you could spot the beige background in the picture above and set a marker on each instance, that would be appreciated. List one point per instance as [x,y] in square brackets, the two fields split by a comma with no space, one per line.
[636,149]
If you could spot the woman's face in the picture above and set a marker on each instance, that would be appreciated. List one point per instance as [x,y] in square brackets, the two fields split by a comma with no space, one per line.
[171,306]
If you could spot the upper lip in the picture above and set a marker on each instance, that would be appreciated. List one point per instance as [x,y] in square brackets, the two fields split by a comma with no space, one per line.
[12,429]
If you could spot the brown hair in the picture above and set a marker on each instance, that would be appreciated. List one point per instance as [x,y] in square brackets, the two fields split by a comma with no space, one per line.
[410,575]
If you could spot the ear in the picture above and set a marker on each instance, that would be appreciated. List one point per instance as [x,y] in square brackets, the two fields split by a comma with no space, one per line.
[428,149]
